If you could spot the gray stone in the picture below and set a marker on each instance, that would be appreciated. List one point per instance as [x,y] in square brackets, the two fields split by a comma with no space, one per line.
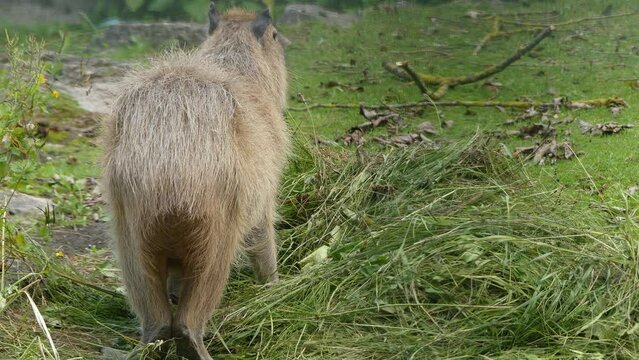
[296,13]
[91,82]
[29,12]
[155,34]
[94,98]
[25,205]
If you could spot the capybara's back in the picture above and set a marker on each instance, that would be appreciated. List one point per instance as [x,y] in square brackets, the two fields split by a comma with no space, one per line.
[194,150]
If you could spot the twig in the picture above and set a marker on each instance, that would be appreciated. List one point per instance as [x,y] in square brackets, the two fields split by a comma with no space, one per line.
[614,101]
[420,84]
[571,22]
[444,83]
[498,20]
[489,35]
[437,52]
[89,285]
[530,13]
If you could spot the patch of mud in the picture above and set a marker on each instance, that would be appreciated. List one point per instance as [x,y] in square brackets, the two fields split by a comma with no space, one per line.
[77,241]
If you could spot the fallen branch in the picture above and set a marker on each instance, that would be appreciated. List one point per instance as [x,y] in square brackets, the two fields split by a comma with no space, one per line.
[571,22]
[614,101]
[415,77]
[444,83]
[496,31]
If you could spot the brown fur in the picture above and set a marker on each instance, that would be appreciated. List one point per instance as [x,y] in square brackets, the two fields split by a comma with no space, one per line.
[194,151]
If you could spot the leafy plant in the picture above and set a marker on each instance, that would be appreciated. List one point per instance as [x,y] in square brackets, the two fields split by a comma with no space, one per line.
[24,92]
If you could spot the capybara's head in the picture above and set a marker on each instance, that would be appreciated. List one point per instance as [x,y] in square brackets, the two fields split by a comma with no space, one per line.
[249,43]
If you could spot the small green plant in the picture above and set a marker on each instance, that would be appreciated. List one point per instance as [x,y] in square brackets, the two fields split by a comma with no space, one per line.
[24,93]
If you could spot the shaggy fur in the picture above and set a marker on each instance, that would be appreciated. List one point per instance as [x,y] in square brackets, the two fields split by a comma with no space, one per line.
[194,151]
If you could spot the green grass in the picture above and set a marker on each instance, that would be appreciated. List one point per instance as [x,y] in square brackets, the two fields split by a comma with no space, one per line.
[446,253]
[578,69]
[458,252]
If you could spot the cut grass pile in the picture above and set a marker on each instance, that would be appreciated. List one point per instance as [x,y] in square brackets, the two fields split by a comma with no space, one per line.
[449,253]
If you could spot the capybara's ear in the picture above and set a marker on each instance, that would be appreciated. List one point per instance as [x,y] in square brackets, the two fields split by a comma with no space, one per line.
[262,22]
[214,17]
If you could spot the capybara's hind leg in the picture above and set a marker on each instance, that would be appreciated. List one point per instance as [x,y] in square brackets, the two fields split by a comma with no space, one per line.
[202,290]
[262,250]
[205,274]
[144,273]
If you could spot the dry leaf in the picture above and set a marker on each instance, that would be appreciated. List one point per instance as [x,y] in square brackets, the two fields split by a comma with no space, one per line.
[426,127]
[602,129]
[493,85]
[356,137]
[632,190]
[473,14]
[549,151]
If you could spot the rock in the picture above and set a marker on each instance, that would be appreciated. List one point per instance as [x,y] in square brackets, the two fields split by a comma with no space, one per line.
[296,13]
[155,34]
[29,12]
[81,70]
[95,98]
[394,7]
[25,205]
[89,81]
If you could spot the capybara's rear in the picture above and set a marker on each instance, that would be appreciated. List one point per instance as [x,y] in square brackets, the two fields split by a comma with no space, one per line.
[194,151]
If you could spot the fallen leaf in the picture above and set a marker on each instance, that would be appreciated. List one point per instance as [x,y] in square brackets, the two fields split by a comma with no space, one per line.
[341,86]
[632,190]
[545,151]
[527,114]
[527,132]
[608,128]
[355,137]
[566,120]
[493,85]
[524,150]
[402,140]
[426,127]
[575,105]
[324,142]
[615,110]
[536,129]
[473,14]
[549,151]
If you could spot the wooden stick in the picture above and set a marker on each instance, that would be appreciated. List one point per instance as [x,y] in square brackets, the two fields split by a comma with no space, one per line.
[572,22]
[614,101]
[445,83]
[504,64]
[418,81]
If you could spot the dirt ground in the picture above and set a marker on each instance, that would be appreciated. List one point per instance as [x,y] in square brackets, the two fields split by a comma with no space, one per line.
[75,241]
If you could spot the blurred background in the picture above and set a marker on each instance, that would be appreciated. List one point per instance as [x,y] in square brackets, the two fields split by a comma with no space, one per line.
[34,11]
